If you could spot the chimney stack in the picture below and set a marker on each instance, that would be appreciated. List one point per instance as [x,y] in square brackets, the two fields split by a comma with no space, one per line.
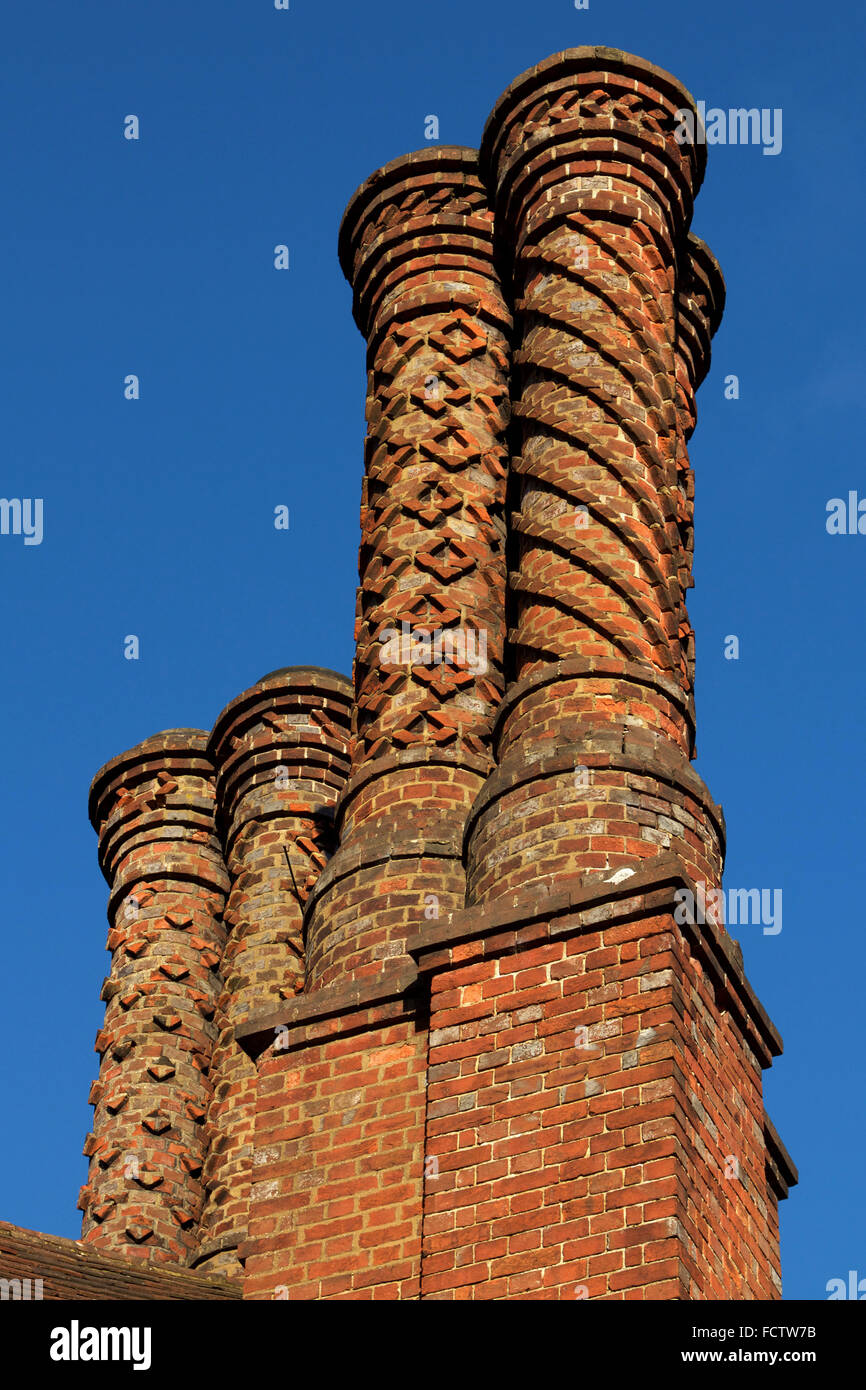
[614,306]
[281,752]
[416,243]
[153,809]
[456,1036]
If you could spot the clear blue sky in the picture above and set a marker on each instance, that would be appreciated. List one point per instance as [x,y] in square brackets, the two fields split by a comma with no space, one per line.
[156,258]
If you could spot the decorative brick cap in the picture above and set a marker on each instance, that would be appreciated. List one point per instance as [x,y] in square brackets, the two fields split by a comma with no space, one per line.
[297,720]
[461,160]
[183,745]
[316,681]
[701,302]
[339,681]
[570,62]
[524,155]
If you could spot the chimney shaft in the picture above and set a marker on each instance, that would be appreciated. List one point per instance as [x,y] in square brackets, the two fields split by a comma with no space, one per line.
[153,809]
[593,196]
[417,245]
[281,753]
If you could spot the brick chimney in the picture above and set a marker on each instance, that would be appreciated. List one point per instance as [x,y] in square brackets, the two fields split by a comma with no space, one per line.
[594,195]
[472,1024]
[416,243]
[595,1121]
[153,809]
[281,751]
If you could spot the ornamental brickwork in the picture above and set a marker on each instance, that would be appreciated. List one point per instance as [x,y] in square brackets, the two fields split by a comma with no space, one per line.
[401,1002]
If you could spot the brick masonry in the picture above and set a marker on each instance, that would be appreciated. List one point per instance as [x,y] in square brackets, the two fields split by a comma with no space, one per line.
[339,1157]
[400,1003]
[593,196]
[416,243]
[281,751]
[153,809]
[594,1103]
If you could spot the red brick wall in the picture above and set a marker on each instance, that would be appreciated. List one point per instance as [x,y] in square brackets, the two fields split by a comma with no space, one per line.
[584,1118]
[588,1081]
[339,1152]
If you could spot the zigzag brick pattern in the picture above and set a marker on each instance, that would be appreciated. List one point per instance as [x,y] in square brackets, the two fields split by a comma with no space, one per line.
[614,307]
[417,245]
[282,752]
[153,809]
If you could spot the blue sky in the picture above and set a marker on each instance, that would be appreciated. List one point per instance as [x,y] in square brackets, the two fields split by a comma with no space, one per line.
[155,257]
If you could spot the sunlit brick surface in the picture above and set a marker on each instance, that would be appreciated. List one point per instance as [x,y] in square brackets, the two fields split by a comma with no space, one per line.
[339,1161]
[597,1126]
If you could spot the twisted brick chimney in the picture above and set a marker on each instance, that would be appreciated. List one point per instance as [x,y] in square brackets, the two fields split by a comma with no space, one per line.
[593,195]
[403,1002]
